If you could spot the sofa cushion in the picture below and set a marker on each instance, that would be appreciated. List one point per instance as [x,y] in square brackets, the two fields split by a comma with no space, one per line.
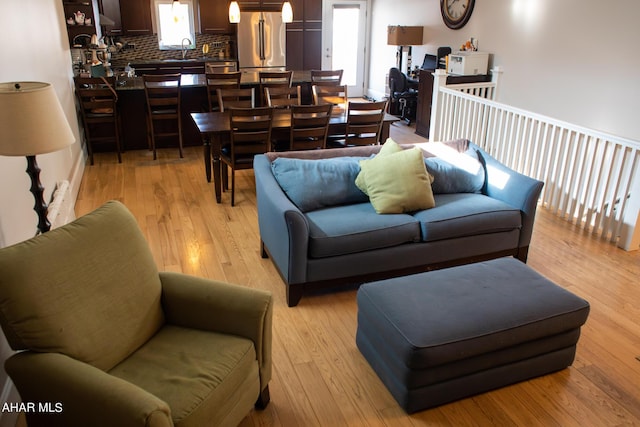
[466,214]
[315,184]
[464,174]
[389,147]
[397,182]
[356,228]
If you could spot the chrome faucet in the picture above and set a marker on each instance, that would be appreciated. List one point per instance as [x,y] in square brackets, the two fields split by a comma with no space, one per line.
[184,48]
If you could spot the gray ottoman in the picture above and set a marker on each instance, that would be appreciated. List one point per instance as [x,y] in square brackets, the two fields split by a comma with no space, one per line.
[443,335]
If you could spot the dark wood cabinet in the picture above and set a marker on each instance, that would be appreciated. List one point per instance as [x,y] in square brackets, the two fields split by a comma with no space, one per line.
[111,10]
[214,17]
[80,32]
[304,36]
[425,94]
[257,5]
[136,17]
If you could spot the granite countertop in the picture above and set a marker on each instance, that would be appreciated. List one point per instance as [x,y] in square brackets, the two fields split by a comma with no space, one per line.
[198,80]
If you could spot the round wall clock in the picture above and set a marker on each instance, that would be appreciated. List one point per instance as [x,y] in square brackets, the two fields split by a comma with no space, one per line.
[456,13]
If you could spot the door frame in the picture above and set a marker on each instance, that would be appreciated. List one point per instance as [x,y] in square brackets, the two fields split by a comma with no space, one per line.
[327,6]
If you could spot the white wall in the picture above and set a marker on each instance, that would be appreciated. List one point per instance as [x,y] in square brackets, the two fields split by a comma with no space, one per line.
[574,60]
[34,46]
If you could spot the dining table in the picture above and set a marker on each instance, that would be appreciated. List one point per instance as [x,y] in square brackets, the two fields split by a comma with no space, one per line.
[214,128]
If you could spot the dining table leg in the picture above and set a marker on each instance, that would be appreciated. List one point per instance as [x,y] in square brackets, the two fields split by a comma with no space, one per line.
[384,132]
[215,161]
[207,156]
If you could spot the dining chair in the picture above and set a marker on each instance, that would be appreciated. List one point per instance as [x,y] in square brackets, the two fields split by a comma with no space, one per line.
[282,97]
[250,135]
[98,103]
[309,126]
[236,98]
[330,94]
[164,120]
[217,81]
[364,122]
[326,77]
[271,79]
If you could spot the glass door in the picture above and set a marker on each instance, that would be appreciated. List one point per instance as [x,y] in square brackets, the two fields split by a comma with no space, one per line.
[344,30]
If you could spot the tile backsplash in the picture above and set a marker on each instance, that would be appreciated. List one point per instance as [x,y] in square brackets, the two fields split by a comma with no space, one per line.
[146,48]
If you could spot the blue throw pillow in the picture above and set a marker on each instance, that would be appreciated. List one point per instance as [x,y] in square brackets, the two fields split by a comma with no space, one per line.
[459,173]
[317,184]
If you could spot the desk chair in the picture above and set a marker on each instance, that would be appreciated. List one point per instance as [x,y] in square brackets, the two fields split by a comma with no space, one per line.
[236,98]
[326,77]
[250,135]
[99,330]
[404,99]
[309,126]
[217,81]
[98,107]
[364,122]
[162,93]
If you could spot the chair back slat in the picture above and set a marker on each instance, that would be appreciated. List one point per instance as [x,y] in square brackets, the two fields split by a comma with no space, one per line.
[217,81]
[236,98]
[326,77]
[282,97]
[309,126]
[364,122]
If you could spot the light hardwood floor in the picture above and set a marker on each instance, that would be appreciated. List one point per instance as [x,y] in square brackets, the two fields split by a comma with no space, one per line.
[319,377]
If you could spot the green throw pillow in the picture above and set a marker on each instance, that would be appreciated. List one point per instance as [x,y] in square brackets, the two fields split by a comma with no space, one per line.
[389,147]
[397,182]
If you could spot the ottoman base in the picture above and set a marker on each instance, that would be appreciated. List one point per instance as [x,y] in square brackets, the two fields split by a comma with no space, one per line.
[421,398]
[440,336]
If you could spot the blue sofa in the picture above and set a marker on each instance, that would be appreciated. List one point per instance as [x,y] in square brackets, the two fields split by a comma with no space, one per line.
[322,232]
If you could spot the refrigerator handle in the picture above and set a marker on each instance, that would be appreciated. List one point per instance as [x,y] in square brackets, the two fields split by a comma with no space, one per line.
[261,37]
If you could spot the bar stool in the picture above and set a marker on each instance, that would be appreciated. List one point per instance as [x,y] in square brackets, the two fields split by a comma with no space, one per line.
[162,93]
[217,81]
[326,77]
[98,106]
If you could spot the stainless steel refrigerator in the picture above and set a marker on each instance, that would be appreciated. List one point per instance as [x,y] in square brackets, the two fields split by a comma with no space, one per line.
[261,40]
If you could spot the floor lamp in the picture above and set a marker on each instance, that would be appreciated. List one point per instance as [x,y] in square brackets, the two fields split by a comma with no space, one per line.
[401,36]
[32,122]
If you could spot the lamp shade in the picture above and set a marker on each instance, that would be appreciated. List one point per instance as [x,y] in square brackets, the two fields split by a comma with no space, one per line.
[287,12]
[32,120]
[234,12]
[398,35]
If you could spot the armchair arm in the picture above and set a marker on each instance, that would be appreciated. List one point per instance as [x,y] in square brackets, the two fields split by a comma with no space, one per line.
[284,230]
[198,303]
[515,189]
[80,394]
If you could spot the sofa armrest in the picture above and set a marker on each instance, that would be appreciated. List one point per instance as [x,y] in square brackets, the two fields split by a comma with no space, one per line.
[284,229]
[515,189]
[198,303]
[79,394]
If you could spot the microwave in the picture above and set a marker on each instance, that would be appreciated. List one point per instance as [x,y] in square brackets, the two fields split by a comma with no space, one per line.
[468,63]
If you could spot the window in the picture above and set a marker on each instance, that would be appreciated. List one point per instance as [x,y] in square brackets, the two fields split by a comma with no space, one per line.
[175,24]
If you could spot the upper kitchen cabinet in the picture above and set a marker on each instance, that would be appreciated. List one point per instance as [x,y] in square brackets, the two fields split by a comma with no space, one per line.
[214,17]
[80,17]
[111,10]
[136,17]
[256,5]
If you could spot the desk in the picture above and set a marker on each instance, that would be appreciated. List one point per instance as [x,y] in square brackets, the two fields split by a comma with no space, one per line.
[214,126]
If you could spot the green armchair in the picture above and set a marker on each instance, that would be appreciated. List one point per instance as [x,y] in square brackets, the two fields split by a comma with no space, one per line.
[104,339]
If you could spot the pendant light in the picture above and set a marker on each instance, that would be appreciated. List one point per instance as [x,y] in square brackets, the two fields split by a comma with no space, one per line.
[287,12]
[234,12]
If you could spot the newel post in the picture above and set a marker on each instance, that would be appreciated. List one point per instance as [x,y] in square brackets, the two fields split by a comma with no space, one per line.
[439,80]
[496,75]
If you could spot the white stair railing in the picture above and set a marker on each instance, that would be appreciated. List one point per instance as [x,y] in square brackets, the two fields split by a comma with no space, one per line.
[590,177]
